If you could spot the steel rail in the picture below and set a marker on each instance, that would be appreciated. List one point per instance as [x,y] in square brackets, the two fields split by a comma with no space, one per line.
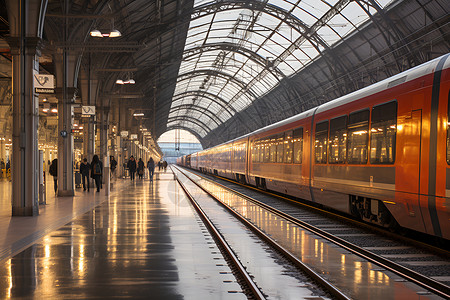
[426,282]
[213,230]
[297,262]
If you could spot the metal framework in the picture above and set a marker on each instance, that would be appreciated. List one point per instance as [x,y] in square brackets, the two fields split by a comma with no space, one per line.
[220,69]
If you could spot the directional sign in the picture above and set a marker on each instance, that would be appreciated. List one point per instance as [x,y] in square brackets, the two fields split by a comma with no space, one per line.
[87,111]
[44,84]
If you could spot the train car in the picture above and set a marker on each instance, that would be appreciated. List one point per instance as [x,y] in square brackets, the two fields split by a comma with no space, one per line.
[381,153]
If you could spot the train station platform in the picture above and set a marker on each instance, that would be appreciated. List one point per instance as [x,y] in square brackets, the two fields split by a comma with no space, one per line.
[143,241]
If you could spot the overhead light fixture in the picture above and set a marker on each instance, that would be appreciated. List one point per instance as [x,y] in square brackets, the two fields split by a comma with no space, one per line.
[54,110]
[96,33]
[138,114]
[112,34]
[119,81]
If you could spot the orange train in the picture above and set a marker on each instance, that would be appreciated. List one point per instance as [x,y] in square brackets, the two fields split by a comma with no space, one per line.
[381,153]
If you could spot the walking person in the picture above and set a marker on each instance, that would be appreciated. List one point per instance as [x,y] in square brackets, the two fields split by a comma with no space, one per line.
[96,171]
[165,165]
[140,168]
[151,168]
[85,167]
[131,165]
[113,165]
[54,172]
[159,165]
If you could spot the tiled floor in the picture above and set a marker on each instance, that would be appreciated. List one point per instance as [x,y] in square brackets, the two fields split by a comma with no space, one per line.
[144,241]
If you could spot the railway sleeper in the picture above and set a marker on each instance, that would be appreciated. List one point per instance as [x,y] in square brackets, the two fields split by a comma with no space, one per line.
[371,210]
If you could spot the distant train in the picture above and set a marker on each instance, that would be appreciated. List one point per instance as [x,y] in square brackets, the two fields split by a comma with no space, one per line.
[381,153]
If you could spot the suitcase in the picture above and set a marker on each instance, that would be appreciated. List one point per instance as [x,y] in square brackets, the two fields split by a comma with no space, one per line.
[77,179]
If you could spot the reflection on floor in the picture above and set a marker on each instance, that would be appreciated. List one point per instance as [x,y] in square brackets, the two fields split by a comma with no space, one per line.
[142,242]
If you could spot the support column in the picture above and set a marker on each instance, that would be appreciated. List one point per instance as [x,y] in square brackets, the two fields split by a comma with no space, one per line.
[65,71]
[26,20]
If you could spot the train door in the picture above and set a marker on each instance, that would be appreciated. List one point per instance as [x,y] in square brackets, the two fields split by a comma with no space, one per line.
[408,183]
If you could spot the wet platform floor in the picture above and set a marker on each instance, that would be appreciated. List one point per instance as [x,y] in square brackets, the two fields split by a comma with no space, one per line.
[143,242]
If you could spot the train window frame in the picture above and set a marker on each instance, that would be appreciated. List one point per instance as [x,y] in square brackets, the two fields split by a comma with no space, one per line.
[359,128]
[297,134]
[321,140]
[380,119]
[338,126]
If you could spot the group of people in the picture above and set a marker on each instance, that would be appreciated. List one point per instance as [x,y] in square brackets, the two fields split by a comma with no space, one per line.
[138,167]
[93,170]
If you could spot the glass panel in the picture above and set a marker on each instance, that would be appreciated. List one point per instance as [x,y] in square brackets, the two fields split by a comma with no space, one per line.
[320,145]
[273,148]
[280,148]
[288,151]
[358,127]
[382,133]
[338,140]
[267,150]
[298,145]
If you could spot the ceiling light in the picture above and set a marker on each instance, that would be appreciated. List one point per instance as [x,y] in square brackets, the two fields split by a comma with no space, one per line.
[44,100]
[54,110]
[45,110]
[120,81]
[138,114]
[114,33]
[96,33]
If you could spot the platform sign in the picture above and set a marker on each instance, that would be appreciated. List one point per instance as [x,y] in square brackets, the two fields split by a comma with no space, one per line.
[124,134]
[44,84]
[133,136]
[87,111]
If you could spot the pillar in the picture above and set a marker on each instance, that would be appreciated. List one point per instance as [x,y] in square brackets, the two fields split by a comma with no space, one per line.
[26,23]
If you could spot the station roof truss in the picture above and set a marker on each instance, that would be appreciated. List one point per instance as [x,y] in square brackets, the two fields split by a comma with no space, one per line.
[221,69]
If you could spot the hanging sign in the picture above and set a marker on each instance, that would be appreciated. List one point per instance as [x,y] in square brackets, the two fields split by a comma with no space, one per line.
[133,136]
[44,84]
[87,111]
[124,134]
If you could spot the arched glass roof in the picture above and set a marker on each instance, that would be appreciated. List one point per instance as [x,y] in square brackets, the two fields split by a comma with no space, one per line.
[237,51]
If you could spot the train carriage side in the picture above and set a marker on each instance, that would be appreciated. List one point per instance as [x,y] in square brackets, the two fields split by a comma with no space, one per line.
[383,155]
[278,156]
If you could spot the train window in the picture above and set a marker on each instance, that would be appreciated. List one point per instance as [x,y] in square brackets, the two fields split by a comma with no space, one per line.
[254,151]
[297,137]
[338,141]
[261,150]
[357,137]
[382,133]
[273,148]
[267,150]
[280,147]
[320,146]
[288,147]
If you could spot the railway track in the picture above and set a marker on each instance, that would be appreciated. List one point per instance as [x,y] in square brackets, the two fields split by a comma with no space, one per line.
[277,254]
[386,254]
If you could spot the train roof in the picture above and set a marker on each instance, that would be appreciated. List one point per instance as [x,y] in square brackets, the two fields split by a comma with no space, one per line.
[408,75]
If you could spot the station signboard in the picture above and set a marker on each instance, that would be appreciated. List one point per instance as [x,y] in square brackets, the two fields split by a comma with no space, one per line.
[44,84]
[87,111]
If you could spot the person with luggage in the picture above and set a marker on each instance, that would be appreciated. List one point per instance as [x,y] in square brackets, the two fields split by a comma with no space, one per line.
[140,168]
[96,171]
[85,167]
